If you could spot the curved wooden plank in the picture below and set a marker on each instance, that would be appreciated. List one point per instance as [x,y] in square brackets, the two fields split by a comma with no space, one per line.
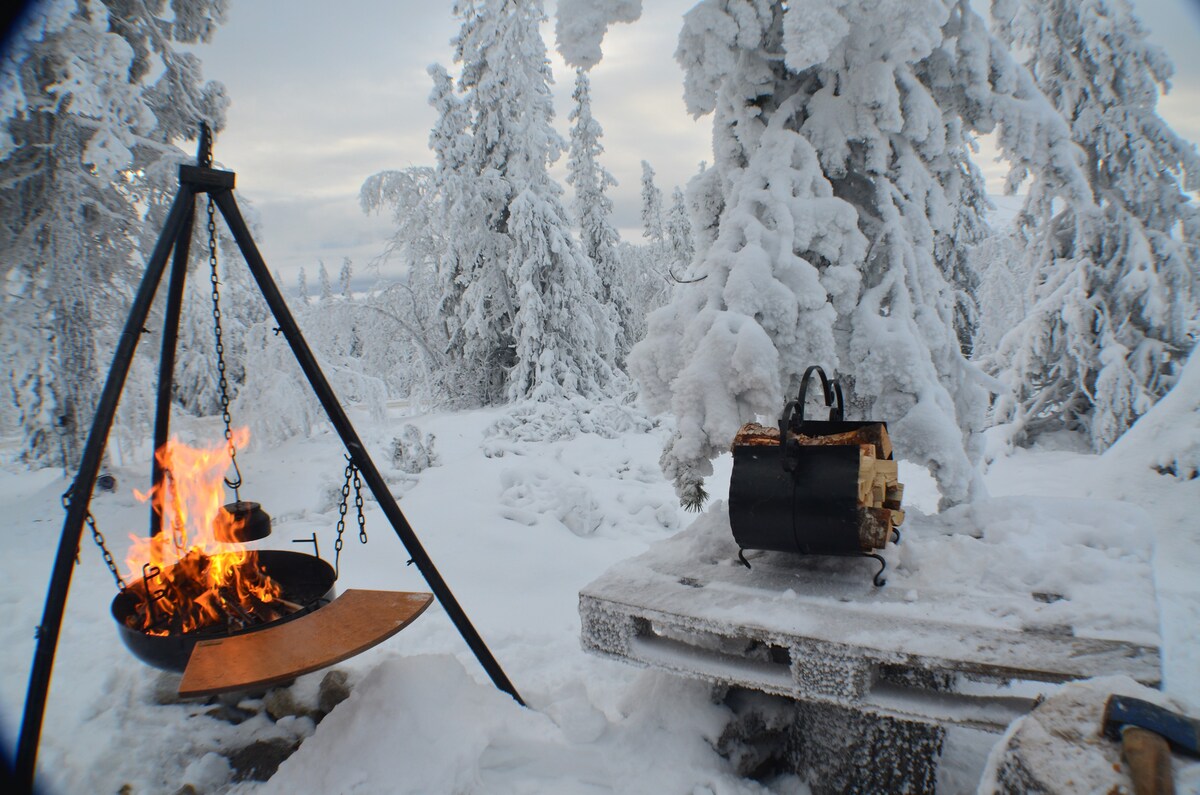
[349,625]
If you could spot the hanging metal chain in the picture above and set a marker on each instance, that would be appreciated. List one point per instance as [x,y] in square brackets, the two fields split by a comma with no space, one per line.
[358,504]
[352,478]
[98,537]
[341,525]
[222,381]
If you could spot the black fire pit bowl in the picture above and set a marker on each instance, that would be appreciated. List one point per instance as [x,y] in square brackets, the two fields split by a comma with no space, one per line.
[305,580]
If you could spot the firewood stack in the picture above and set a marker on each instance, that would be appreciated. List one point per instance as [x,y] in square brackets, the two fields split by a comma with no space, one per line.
[880,491]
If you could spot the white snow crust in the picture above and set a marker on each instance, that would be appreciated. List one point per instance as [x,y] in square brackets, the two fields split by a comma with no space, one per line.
[518,525]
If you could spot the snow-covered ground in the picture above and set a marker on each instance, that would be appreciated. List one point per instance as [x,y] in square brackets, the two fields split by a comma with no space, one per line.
[517,527]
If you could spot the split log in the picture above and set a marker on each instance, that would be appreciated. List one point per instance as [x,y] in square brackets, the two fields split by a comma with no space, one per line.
[894,496]
[874,434]
[876,479]
[874,528]
[866,473]
[878,489]
[292,607]
[754,435]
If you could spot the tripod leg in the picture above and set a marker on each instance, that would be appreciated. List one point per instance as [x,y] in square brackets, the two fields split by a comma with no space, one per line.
[354,445]
[166,359]
[81,493]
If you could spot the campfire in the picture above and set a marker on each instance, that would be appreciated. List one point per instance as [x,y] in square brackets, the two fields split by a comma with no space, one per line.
[190,577]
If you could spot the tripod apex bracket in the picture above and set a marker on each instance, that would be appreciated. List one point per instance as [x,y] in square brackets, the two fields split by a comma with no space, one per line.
[206,180]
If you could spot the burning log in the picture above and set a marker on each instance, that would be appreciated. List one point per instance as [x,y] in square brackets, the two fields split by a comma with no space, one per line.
[166,639]
[291,606]
[193,596]
[235,614]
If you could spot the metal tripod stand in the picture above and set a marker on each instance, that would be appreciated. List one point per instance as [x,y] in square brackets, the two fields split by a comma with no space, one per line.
[176,235]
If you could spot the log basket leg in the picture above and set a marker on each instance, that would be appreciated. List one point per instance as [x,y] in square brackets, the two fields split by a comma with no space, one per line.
[878,579]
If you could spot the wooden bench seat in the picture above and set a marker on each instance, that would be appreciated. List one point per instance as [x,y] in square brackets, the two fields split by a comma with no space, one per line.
[349,625]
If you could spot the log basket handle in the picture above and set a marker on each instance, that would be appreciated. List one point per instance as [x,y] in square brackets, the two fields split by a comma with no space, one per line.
[793,414]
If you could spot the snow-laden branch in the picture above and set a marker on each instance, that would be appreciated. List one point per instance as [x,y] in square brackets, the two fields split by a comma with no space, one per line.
[582,24]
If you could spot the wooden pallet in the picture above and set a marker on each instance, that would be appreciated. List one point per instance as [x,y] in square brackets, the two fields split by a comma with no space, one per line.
[864,687]
[839,640]
[349,625]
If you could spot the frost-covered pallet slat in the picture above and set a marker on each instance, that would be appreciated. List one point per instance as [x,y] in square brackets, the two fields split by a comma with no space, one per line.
[802,668]
[815,629]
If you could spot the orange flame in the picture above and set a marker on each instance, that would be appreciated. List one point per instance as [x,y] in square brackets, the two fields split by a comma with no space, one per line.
[189,578]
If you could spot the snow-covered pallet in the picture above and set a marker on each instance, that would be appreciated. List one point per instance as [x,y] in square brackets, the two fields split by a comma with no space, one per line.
[922,652]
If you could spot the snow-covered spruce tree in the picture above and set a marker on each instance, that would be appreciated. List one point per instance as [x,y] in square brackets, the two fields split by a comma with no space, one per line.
[420,309]
[646,286]
[652,209]
[91,97]
[345,277]
[656,266]
[1002,297]
[1114,302]
[681,245]
[705,199]
[323,280]
[560,329]
[841,145]
[593,211]
[648,264]
[475,359]
[726,348]
[519,294]
[302,286]
[966,195]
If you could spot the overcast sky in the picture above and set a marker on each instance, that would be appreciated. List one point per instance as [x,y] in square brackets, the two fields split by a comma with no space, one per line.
[324,95]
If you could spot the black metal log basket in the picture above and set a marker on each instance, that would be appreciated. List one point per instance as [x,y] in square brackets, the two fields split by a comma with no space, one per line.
[304,579]
[801,498]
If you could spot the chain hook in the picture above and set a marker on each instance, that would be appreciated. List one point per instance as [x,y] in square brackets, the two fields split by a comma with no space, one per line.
[235,482]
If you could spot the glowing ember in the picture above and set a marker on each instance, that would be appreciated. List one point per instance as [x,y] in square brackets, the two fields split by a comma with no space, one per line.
[190,580]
